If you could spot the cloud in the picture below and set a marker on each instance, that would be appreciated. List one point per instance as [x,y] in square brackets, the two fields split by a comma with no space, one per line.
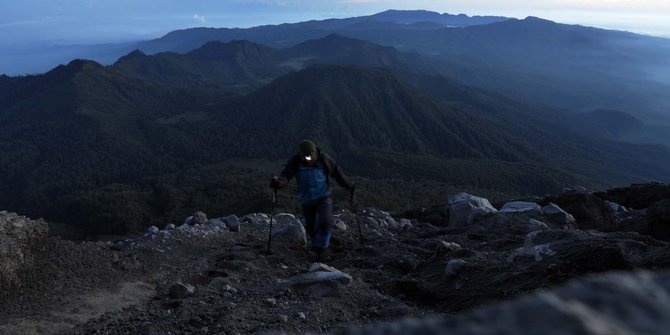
[199,18]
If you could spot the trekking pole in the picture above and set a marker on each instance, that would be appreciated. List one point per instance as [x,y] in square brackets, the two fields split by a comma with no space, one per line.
[358,220]
[272,214]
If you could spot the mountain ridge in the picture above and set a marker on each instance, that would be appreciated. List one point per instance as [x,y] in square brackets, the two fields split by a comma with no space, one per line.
[122,150]
[377,122]
[550,60]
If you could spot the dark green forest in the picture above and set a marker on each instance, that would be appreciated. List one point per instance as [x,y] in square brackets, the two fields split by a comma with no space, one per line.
[110,150]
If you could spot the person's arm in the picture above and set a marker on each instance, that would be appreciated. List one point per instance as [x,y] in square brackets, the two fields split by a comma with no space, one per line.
[335,172]
[290,170]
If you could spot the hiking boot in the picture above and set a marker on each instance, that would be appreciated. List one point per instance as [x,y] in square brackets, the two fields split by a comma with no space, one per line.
[324,255]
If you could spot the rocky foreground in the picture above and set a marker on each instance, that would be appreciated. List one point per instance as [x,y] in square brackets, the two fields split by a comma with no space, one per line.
[575,263]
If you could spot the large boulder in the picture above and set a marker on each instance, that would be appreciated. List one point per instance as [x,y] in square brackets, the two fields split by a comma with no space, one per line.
[379,218]
[576,252]
[288,230]
[614,303]
[520,207]
[466,209]
[589,211]
[198,218]
[637,196]
[181,291]
[437,215]
[555,214]
[284,218]
[17,235]
[233,223]
[321,280]
[658,218]
[256,219]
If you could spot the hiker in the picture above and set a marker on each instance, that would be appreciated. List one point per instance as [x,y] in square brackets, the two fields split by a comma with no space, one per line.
[313,170]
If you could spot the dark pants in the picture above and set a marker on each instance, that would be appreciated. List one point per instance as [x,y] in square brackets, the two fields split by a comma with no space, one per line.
[318,222]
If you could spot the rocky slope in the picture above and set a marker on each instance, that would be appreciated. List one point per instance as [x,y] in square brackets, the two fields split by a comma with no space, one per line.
[468,267]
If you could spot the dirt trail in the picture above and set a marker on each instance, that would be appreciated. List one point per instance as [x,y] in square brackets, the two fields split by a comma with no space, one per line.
[408,270]
[79,309]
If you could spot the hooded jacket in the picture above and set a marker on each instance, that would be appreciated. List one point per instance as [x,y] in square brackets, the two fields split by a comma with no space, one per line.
[314,180]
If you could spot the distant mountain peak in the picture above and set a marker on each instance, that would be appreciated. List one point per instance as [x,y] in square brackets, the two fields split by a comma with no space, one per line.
[83,64]
[74,67]
[332,80]
[409,11]
[535,19]
[133,55]
[414,16]
[136,53]
[344,70]
[338,49]
[334,38]
[220,51]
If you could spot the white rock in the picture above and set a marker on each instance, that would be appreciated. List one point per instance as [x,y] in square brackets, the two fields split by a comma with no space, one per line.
[532,249]
[317,277]
[199,218]
[543,250]
[579,189]
[444,247]
[315,267]
[233,223]
[556,213]
[537,225]
[339,224]
[616,208]
[464,209]
[218,223]
[257,218]
[285,218]
[180,291]
[520,207]
[405,224]
[290,233]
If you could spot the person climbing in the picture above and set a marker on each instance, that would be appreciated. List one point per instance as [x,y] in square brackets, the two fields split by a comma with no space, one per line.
[313,170]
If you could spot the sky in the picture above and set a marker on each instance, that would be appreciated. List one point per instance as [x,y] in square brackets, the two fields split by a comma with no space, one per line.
[62,22]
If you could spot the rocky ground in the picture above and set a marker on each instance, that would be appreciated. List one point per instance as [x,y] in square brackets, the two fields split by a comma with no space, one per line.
[468,267]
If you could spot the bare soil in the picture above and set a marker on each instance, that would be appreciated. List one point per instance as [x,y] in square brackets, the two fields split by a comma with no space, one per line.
[89,288]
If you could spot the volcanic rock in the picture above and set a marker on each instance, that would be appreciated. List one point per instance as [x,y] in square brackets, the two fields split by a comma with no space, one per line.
[18,234]
[520,206]
[658,216]
[181,291]
[233,223]
[465,209]
[616,303]
[589,211]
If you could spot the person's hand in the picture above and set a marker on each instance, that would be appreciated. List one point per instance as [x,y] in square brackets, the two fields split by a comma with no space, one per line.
[276,183]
